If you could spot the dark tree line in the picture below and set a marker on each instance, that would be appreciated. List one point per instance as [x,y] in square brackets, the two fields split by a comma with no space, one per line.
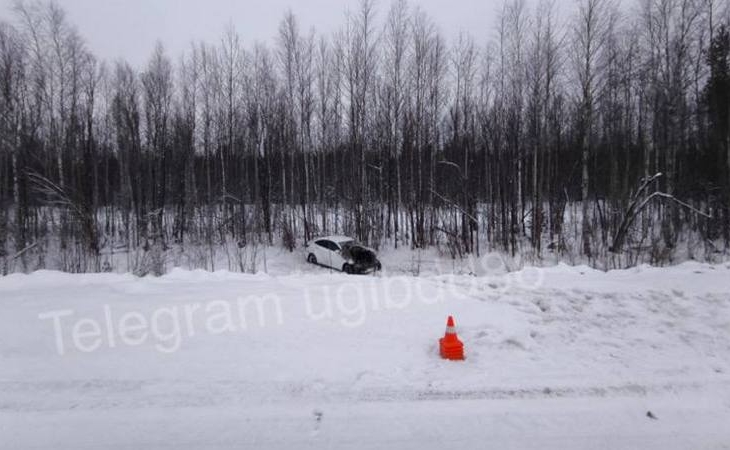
[603,136]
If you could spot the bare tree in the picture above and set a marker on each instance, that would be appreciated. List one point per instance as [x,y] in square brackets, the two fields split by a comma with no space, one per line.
[359,64]
[11,80]
[233,61]
[395,40]
[157,100]
[593,25]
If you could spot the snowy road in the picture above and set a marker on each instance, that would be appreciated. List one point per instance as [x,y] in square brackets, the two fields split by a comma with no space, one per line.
[556,358]
[522,424]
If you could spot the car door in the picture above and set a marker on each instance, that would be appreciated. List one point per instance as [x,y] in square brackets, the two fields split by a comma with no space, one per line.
[328,253]
[322,252]
[335,255]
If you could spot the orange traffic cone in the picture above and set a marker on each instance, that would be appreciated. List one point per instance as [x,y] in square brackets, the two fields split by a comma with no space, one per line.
[450,346]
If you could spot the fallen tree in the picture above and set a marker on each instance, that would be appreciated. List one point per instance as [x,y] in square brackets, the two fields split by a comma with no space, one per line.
[639,201]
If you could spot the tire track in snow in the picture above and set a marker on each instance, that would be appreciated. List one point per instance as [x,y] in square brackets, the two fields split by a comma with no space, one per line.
[135,394]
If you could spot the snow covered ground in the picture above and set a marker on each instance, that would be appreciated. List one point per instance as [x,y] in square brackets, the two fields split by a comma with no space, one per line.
[562,357]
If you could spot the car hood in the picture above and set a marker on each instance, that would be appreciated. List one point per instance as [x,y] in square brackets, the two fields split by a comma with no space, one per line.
[361,255]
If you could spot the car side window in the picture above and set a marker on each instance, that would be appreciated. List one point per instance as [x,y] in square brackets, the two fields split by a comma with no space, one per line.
[328,245]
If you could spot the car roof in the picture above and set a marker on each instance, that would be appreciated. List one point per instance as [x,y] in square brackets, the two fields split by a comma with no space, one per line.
[337,239]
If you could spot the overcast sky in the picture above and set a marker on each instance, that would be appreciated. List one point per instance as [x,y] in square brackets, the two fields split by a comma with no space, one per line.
[129,28]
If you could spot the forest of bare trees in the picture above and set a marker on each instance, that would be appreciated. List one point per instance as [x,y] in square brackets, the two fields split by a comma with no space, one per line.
[602,136]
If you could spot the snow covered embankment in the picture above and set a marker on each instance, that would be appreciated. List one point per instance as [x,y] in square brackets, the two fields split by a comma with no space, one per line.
[562,357]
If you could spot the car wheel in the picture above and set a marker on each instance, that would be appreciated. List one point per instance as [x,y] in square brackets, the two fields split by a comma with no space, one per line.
[312,259]
[347,269]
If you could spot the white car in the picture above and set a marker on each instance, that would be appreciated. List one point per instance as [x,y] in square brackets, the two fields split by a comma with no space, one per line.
[342,253]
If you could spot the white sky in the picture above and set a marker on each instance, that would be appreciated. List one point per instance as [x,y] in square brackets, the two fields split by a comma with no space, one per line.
[129,28]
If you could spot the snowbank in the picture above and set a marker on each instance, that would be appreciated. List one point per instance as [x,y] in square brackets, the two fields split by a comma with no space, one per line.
[567,357]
